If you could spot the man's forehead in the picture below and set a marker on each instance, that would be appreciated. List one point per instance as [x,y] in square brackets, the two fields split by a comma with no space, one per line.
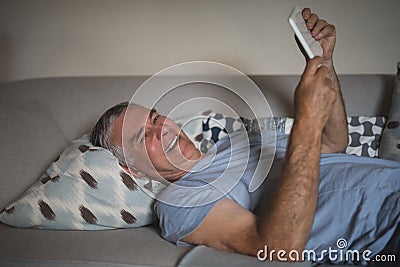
[134,118]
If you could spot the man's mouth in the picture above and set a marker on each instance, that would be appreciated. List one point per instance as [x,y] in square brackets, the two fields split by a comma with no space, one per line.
[172,144]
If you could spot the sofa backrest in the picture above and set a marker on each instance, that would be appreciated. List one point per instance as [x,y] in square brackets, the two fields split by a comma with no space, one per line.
[40,117]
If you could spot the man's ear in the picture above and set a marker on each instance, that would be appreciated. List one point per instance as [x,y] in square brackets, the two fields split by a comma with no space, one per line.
[137,174]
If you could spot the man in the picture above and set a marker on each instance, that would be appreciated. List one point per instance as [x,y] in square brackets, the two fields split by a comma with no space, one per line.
[194,210]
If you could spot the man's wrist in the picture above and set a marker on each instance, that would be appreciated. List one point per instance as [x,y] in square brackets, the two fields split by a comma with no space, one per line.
[328,63]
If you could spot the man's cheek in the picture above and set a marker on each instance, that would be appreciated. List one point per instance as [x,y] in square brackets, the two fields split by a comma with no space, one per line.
[153,155]
[152,150]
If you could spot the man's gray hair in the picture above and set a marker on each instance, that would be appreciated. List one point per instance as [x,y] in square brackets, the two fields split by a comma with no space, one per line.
[102,133]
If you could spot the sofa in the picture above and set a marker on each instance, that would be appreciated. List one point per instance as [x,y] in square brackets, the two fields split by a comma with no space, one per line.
[40,117]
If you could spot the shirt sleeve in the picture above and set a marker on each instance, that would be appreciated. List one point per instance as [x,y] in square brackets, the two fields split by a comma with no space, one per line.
[177,222]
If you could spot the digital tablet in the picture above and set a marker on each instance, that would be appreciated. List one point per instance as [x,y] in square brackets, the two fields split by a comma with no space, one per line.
[311,46]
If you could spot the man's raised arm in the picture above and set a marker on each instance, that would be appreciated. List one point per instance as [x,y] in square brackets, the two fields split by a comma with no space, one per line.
[335,135]
[287,223]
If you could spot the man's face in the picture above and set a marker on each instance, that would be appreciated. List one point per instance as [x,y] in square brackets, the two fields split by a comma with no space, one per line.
[155,143]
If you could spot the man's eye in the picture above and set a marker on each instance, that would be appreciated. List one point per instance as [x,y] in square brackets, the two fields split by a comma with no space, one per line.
[156,117]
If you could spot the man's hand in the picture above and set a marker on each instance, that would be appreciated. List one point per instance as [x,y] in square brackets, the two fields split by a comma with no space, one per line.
[314,96]
[322,31]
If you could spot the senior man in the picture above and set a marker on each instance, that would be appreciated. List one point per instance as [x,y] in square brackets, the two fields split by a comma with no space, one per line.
[316,200]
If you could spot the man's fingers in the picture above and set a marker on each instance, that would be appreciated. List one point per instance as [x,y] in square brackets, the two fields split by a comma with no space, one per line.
[312,20]
[318,27]
[306,13]
[312,66]
[328,30]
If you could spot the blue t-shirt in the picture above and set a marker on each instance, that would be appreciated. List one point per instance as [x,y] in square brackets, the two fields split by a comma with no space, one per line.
[358,200]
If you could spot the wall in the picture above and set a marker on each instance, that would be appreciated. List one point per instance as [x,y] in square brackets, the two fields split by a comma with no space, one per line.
[44,38]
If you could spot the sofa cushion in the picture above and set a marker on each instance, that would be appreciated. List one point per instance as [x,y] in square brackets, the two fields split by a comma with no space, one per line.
[29,139]
[141,246]
[390,145]
[84,189]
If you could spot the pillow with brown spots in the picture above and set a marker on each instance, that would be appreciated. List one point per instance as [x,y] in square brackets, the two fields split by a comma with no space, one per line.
[390,144]
[84,189]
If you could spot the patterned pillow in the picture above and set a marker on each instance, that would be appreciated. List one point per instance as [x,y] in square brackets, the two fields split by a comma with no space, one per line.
[390,146]
[217,125]
[365,135]
[364,132]
[84,189]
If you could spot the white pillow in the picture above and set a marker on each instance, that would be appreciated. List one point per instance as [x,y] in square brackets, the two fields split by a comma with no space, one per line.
[85,189]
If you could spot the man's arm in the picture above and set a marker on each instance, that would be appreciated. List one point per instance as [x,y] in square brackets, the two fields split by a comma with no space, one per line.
[287,223]
[335,135]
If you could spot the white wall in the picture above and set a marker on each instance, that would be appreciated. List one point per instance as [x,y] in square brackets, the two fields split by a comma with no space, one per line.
[103,37]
